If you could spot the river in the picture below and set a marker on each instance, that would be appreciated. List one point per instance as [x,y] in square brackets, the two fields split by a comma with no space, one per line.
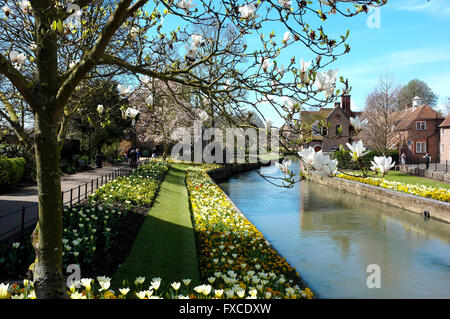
[331,237]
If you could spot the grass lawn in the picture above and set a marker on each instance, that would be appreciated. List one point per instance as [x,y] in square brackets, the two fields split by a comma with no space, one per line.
[165,246]
[410,179]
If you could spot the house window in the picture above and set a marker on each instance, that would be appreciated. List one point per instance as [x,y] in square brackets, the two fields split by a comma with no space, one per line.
[442,148]
[421,147]
[421,125]
[334,149]
[442,131]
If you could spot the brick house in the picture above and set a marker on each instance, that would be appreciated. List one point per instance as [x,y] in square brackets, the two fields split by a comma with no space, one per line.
[416,131]
[339,132]
[445,139]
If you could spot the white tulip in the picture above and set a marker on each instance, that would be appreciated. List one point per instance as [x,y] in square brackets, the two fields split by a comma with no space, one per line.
[4,291]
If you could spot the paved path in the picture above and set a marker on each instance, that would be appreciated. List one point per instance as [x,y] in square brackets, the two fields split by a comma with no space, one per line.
[14,201]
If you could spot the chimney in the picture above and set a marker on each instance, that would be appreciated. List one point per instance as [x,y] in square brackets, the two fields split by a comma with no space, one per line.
[417,101]
[345,102]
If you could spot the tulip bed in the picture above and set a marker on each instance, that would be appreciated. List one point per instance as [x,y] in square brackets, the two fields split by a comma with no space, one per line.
[440,194]
[136,190]
[234,256]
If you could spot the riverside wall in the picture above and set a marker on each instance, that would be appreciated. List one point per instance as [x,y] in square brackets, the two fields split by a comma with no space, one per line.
[417,204]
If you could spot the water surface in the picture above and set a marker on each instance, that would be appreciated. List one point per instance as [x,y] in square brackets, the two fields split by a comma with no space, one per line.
[331,237]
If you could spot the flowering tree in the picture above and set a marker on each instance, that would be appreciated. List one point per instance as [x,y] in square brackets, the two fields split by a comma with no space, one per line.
[163,108]
[49,48]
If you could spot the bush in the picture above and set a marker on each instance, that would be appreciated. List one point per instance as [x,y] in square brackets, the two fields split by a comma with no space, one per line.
[345,159]
[14,151]
[11,171]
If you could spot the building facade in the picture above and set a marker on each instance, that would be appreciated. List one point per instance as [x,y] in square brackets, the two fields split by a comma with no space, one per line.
[444,134]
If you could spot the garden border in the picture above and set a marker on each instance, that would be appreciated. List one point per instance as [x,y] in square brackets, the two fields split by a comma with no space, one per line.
[438,210]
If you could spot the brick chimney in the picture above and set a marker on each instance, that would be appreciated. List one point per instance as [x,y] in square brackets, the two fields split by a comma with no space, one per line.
[345,104]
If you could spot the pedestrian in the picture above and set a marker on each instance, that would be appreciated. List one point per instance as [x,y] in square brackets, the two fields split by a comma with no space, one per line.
[403,158]
[427,158]
[138,154]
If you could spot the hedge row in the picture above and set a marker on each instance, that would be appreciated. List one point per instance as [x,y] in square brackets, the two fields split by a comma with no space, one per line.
[11,171]
[345,159]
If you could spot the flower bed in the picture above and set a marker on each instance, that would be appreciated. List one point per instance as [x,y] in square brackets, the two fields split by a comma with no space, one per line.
[234,255]
[440,194]
[137,189]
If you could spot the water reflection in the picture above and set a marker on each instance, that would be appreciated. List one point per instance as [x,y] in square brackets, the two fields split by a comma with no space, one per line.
[331,236]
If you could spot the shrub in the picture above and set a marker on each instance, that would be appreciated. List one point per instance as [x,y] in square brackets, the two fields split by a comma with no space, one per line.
[345,159]
[11,171]
[13,151]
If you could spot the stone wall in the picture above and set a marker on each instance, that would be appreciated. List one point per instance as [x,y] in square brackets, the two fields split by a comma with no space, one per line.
[438,210]
[429,173]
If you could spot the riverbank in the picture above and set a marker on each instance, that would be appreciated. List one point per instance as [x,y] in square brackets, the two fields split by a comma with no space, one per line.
[437,209]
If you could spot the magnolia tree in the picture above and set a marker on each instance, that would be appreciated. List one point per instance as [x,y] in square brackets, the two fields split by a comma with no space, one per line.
[163,109]
[50,48]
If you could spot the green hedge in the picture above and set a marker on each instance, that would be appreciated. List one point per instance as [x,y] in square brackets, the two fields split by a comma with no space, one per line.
[345,159]
[11,171]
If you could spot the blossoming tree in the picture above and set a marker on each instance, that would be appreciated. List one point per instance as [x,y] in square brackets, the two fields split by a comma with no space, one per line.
[49,48]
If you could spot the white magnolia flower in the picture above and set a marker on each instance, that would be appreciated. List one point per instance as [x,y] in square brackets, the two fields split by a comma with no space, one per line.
[382,164]
[248,12]
[357,124]
[132,113]
[6,10]
[145,79]
[17,58]
[327,2]
[149,99]
[281,71]
[286,36]
[357,149]
[197,40]
[203,116]
[307,156]
[134,32]
[284,166]
[124,89]
[25,6]
[304,66]
[100,109]
[289,102]
[326,81]
[285,3]
[265,64]
[186,5]
[324,165]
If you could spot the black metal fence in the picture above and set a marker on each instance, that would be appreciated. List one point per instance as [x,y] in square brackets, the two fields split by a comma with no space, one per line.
[18,222]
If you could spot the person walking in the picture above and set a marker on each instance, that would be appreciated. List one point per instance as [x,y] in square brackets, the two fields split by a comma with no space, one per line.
[138,154]
[427,158]
[403,158]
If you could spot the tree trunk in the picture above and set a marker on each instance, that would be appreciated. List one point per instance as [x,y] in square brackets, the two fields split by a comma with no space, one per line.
[47,237]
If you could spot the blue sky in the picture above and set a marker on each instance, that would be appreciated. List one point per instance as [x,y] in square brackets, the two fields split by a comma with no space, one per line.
[412,41]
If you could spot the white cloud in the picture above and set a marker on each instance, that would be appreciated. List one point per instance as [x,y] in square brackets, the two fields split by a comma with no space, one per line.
[436,7]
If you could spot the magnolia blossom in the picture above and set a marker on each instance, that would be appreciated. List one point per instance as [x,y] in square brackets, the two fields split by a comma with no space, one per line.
[382,164]
[6,10]
[304,66]
[186,5]
[265,64]
[286,36]
[149,100]
[357,124]
[285,3]
[134,32]
[325,81]
[123,89]
[203,116]
[100,109]
[289,102]
[197,40]
[145,79]
[248,12]
[33,45]
[17,58]
[327,2]
[25,6]
[318,161]
[284,166]
[132,113]
[357,149]
[280,71]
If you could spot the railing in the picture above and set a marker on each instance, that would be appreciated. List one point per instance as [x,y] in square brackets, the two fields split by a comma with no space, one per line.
[19,221]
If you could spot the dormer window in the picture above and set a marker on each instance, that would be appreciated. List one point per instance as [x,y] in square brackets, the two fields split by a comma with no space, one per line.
[421,125]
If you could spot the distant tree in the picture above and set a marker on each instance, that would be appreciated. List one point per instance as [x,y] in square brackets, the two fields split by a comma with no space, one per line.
[416,88]
[380,104]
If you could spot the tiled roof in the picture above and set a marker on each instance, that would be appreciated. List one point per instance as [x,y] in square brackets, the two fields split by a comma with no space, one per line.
[309,117]
[404,118]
